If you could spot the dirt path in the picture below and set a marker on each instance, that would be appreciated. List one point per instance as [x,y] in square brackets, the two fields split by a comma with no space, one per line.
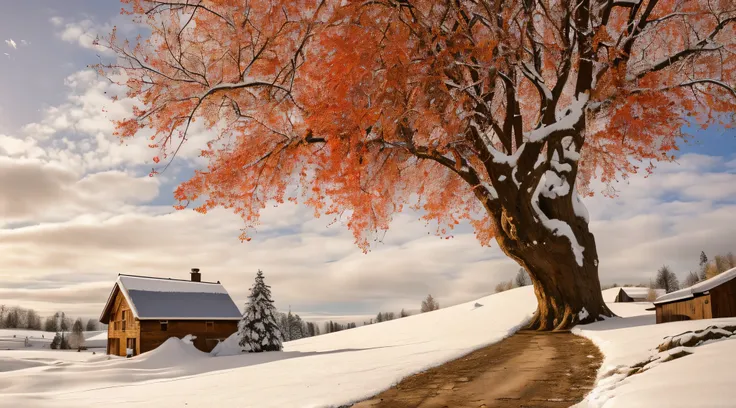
[528,369]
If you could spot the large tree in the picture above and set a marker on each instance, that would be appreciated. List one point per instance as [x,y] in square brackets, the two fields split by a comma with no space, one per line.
[494,111]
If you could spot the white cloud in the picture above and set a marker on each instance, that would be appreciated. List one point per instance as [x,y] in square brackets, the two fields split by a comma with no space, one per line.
[35,191]
[84,33]
[79,132]
[11,43]
[15,147]
[56,20]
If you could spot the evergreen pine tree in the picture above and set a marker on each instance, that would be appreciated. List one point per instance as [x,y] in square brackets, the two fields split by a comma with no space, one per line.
[258,329]
[64,345]
[295,326]
[703,265]
[283,321]
[56,342]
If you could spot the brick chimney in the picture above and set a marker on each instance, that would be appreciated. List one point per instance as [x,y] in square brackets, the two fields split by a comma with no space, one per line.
[196,276]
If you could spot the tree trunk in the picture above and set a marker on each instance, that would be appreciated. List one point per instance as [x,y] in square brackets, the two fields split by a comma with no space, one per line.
[565,278]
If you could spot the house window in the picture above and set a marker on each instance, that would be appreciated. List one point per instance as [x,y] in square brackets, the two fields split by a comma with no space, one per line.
[164,325]
[124,321]
[209,326]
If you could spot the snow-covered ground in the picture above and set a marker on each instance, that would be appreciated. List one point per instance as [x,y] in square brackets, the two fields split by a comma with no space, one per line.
[340,368]
[328,370]
[702,379]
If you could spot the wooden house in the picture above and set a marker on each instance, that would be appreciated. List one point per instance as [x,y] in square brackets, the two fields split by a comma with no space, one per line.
[711,298]
[142,312]
[633,294]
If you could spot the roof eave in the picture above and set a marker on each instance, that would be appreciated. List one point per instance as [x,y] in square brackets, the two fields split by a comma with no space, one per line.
[104,316]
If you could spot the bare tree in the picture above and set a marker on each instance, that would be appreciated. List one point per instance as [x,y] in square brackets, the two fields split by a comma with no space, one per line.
[522,278]
[691,279]
[666,280]
[504,286]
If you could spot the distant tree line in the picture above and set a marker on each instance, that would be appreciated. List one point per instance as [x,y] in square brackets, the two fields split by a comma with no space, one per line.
[667,280]
[69,332]
[19,318]
[292,327]
[28,319]
[262,328]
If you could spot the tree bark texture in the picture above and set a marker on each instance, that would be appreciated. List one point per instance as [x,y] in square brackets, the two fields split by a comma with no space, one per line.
[567,292]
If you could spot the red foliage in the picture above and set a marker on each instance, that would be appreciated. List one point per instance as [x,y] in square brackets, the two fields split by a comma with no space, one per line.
[372,106]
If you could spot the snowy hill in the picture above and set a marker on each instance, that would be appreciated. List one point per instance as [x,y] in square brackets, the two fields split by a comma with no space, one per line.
[347,366]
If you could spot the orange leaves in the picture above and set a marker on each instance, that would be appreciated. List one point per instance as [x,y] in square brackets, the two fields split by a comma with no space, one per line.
[398,100]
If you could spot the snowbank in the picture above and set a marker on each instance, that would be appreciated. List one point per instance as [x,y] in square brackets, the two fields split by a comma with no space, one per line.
[171,353]
[95,339]
[635,373]
[228,347]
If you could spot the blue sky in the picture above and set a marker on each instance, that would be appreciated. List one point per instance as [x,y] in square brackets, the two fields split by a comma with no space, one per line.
[76,208]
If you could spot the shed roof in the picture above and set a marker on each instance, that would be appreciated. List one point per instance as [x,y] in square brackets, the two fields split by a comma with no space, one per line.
[641,293]
[153,298]
[697,289]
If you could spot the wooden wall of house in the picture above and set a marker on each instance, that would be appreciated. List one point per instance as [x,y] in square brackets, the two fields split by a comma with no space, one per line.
[119,332]
[723,299]
[688,309]
[153,336]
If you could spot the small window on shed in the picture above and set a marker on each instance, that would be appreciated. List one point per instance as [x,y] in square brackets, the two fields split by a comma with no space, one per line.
[164,325]
[210,326]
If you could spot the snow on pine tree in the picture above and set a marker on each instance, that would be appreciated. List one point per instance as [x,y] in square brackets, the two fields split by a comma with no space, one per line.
[258,330]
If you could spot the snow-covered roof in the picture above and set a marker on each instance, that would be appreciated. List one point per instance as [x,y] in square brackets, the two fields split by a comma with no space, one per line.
[641,293]
[698,288]
[152,298]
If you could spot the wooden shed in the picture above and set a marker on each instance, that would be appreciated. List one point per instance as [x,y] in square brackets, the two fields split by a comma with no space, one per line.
[142,312]
[711,298]
[635,294]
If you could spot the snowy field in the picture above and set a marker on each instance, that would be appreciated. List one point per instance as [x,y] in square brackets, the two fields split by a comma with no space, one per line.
[14,339]
[340,368]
